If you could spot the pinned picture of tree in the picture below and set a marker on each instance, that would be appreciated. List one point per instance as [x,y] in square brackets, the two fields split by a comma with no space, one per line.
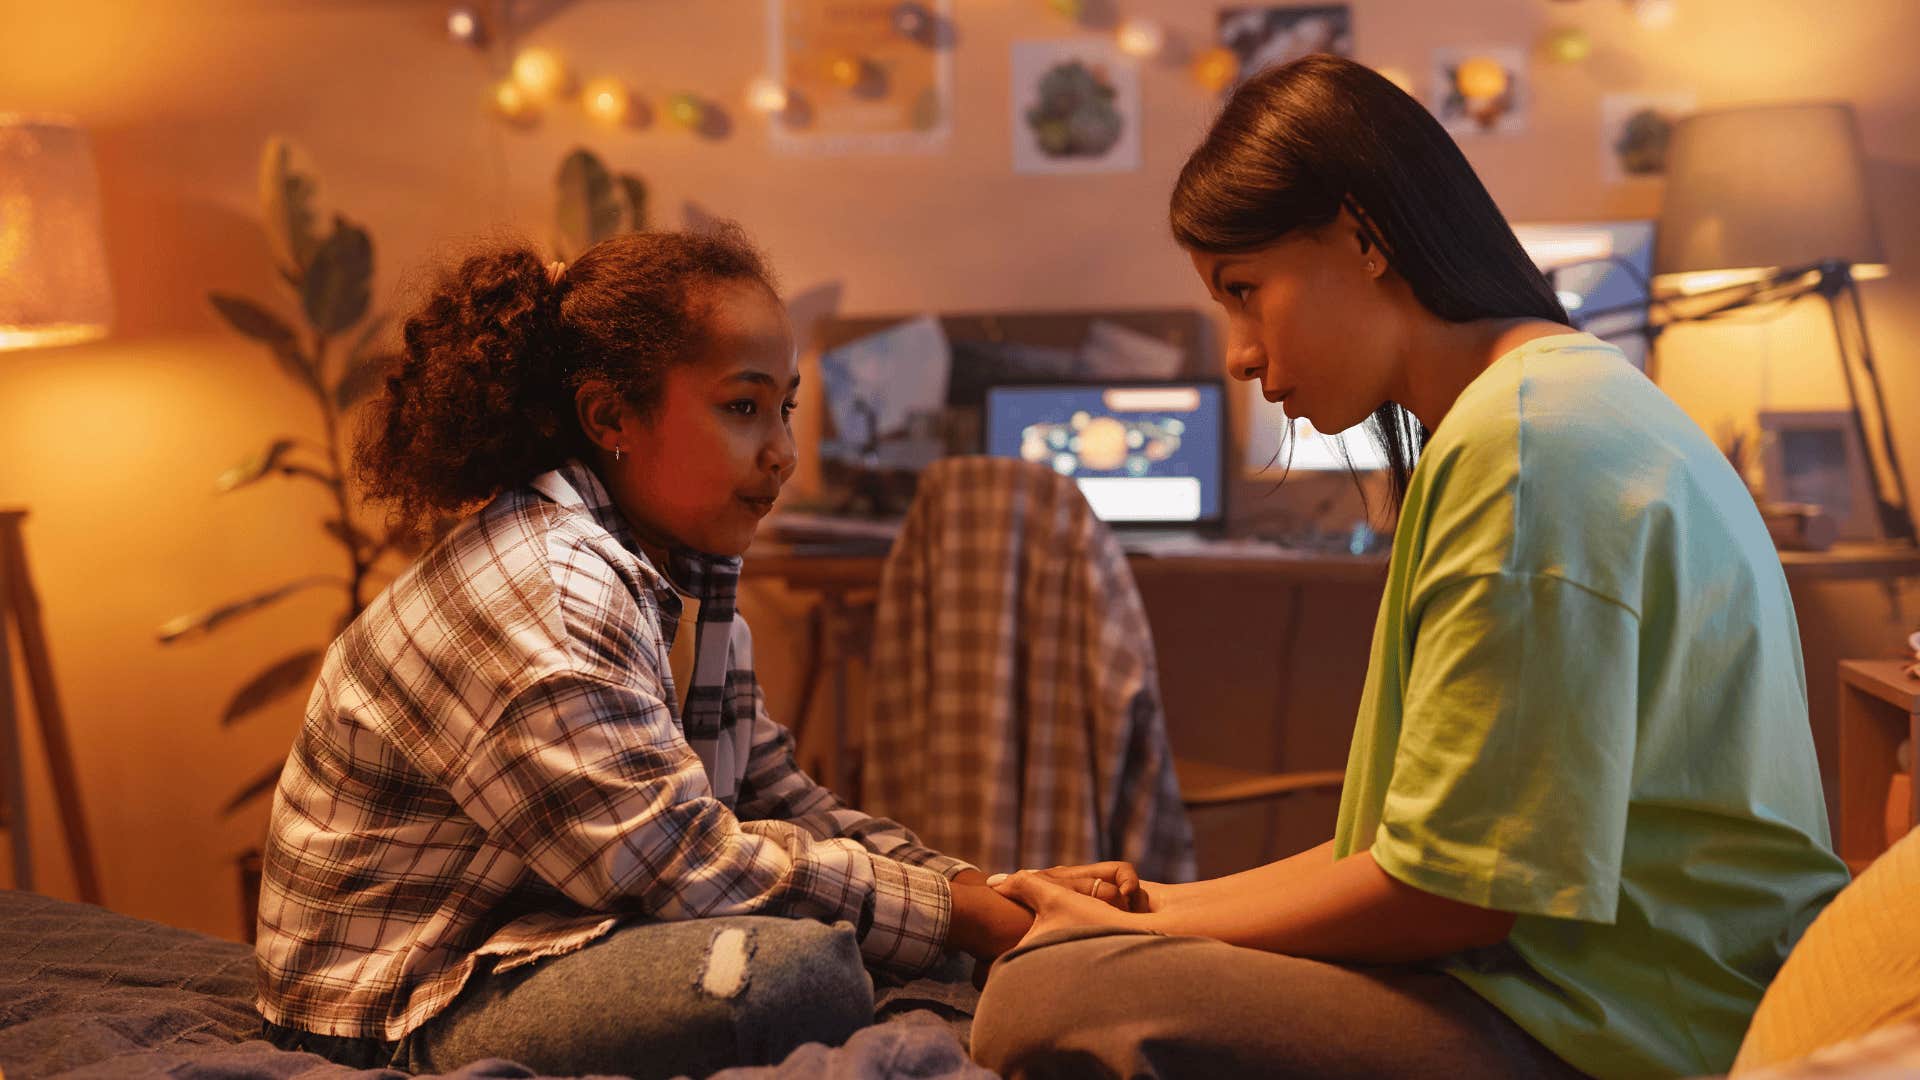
[1076,107]
[1635,130]
[1481,91]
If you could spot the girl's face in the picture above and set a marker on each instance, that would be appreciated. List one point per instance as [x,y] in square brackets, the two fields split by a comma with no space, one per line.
[707,464]
[1309,319]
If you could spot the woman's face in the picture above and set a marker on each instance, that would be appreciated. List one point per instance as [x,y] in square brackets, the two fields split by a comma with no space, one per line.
[706,465]
[1309,319]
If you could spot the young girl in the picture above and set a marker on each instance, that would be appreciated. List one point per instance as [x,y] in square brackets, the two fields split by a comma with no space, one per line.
[500,833]
[1582,822]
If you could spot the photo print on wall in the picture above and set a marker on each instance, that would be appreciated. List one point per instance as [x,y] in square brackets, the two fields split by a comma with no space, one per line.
[1481,91]
[1634,130]
[1076,107]
[1266,36]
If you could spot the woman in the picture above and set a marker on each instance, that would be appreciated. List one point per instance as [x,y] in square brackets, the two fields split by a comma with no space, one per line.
[1582,822]
[501,831]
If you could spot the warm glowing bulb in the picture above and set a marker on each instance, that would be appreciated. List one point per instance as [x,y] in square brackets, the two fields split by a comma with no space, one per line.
[765,95]
[1654,14]
[608,101]
[510,101]
[846,70]
[1569,45]
[1141,37]
[463,26]
[1480,79]
[685,110]
[1216,68]
[1398,77]
[541,73]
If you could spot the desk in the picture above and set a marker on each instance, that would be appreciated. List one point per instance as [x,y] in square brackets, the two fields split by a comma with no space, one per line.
[842,584]
[1879,709]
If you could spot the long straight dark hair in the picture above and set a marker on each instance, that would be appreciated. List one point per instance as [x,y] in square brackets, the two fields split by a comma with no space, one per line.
[1296,143]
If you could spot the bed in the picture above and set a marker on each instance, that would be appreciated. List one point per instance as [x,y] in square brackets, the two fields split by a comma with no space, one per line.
[87,993]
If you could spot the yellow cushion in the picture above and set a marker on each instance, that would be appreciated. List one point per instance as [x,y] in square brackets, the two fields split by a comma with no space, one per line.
[1856,969]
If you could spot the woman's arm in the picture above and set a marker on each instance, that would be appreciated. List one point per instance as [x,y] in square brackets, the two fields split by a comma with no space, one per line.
[1348,911]
[1267,878]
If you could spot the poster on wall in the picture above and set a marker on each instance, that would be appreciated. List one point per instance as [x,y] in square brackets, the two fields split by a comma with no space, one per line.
[855,83]
[1481,91]
[1634,131]
[1267,36]
[1076,107]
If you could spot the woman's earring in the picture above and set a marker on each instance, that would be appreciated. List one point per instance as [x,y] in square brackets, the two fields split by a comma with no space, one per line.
[616,453]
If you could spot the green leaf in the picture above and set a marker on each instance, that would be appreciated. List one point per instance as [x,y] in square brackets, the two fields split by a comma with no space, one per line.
[283,677]
[260,786]
[267,328]
[590,206]
[253,468]
[287,194]
[339,282]
[203,622]
[636,191]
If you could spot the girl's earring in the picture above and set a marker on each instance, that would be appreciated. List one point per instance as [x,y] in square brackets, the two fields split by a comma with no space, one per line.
[616,453]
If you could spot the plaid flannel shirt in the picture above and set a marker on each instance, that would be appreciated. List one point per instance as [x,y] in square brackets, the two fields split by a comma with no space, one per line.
[1020,721]
[492,765]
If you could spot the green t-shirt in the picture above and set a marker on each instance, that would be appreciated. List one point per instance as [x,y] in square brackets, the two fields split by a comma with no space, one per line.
[1586,706]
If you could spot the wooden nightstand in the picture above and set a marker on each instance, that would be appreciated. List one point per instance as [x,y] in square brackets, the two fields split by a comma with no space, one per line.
[1879,708]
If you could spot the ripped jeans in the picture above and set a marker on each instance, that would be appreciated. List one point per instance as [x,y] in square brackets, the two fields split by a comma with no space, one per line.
[656,999]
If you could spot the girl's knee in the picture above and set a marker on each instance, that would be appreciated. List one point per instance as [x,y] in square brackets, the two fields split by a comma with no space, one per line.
[794,975]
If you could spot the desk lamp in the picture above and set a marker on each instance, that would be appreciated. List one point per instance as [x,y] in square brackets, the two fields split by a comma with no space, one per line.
[1767,203]
[53,291]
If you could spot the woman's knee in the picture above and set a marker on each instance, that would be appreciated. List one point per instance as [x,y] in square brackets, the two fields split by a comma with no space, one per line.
[1039,1014]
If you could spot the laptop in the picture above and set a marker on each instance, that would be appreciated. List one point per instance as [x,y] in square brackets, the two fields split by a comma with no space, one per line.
[1149,457]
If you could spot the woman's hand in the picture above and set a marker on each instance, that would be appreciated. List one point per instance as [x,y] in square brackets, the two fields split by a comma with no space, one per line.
[1057,905]
[1115,883]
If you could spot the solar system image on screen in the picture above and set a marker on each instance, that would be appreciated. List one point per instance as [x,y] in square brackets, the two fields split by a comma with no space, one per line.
[1139,453]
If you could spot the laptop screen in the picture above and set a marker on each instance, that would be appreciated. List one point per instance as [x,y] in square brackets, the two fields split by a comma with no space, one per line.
[1140,453]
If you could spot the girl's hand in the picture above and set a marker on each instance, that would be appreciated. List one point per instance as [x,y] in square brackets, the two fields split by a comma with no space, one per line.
[1058,906]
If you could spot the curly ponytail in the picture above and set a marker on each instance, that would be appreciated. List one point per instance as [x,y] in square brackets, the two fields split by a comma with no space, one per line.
[483,399]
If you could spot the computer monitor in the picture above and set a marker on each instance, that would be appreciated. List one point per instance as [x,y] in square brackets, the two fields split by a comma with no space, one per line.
[1601,270]
[1142,454]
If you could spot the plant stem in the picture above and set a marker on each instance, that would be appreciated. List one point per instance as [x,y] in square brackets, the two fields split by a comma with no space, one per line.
[337,483]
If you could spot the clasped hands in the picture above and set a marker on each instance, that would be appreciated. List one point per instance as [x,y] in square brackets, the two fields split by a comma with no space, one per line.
[993,915]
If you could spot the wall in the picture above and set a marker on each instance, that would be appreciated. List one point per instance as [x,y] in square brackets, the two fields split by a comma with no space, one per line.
[113,445]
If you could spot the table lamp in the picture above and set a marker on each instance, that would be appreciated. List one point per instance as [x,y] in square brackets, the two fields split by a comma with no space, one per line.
[53,291]
[53,266]
[1769,203]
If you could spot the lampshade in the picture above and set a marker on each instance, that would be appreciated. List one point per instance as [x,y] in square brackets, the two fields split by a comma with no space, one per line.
[1764,188]
[53,266]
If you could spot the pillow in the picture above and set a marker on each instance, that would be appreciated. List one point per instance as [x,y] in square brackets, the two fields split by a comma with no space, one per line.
[1857,968]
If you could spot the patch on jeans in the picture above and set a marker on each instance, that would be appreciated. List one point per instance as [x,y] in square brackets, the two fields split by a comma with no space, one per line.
[727,955]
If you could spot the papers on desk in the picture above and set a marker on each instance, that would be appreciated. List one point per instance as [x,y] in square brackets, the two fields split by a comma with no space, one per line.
[1175,545]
